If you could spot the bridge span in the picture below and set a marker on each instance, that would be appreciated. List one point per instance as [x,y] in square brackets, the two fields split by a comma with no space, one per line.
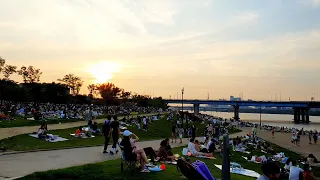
[301,108]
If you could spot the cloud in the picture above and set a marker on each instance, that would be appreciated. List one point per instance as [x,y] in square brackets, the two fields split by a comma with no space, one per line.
[247,17]
[315,2]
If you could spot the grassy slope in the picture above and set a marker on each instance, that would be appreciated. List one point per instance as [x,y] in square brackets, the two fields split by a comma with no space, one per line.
[111,169]
[20,121]
[157,130]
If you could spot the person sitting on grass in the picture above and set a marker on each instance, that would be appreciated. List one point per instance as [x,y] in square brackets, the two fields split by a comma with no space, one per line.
[168,147]
[42,131]
[94,128]
[192,149]
[288,164]
[130,138]
[212,146]
[312,160]
[198,147]
[80,132]
[307,173]
[271,171]
[163,154]
[295,172]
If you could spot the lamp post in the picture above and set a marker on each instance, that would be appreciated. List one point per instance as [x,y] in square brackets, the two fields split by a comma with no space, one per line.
[260,117]
[182,92]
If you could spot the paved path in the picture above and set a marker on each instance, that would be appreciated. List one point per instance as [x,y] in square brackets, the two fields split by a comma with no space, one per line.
[17,165]
[284,140]
[9,132]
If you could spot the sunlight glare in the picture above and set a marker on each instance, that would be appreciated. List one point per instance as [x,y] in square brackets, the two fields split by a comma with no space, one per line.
[103,71]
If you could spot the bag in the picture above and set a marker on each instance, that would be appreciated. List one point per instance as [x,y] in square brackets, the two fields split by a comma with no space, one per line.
[203,170]
[188,170]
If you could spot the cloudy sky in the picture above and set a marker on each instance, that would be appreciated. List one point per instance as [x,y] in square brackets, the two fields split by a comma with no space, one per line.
[221,47]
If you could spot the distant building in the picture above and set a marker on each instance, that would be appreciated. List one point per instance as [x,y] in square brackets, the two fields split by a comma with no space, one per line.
[232,98]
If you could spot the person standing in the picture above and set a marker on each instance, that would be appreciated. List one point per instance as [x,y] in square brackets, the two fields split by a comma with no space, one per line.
[315,137]
[193,131]
[115,134]
[273,133]
[310,137]
[88,115]
[180,133]
[174,133]
[106,130]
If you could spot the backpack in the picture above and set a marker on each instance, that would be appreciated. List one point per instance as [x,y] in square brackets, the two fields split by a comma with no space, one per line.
[188,170]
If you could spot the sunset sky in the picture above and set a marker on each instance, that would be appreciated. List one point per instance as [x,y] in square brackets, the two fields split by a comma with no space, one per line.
[156,47]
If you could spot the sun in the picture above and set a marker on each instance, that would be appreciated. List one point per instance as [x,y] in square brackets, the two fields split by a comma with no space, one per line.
[103,71]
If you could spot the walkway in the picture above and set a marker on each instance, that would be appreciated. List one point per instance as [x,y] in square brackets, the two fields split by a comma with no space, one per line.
[17,165]
[9,132]
[284,140]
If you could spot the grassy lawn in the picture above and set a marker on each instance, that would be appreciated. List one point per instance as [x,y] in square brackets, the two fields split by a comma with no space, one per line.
[157,130]
[111,169]
[20,121]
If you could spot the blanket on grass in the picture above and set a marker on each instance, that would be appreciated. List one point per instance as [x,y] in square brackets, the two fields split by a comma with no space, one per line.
[51,138]
[244,172]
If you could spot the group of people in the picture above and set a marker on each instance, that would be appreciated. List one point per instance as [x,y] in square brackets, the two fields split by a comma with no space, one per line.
[132,151]
[38,111]
[272,171]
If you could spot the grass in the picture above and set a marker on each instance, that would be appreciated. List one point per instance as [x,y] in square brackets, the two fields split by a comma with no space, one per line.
[20,121]
[111,169]
[157,130]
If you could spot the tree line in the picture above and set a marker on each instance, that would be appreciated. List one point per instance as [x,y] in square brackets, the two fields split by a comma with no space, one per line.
[66,90]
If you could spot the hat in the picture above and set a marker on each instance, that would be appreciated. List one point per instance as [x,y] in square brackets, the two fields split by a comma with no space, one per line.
[126,133]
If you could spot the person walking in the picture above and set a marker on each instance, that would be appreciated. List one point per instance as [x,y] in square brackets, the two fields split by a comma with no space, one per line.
[115,134]
[310,137]
[273,133]
[106,130]
[315,137]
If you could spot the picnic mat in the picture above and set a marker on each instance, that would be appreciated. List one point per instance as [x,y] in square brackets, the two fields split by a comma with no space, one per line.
[85,137]
[241,171]
[55,139]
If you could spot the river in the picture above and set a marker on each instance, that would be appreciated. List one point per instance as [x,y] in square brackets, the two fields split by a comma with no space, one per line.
[284,120]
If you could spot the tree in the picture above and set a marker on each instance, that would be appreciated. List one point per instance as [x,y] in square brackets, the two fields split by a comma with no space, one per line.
[8,71]
[92,90]
[30,74]
[2,63]
[125,94]
[73,82]
[109,92]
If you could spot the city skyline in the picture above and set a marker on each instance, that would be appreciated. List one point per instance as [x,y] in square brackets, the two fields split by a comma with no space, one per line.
[261,49]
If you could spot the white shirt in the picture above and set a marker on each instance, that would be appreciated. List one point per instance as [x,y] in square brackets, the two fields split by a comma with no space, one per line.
[294,173]
[192,148]
[144,121]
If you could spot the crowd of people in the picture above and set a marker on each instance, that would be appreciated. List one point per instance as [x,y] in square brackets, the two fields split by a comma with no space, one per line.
[39,111]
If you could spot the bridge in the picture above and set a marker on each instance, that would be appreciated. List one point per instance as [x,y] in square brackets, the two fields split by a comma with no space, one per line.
[301,108]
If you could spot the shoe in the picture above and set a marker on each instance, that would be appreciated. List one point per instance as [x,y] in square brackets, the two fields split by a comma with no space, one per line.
[117,151]
[105,152]
[111,153]
[149,165]
[145,171]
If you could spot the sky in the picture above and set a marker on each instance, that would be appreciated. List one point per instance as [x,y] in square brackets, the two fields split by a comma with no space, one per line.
[256,49]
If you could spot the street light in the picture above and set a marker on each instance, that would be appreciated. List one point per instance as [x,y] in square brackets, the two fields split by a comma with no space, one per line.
[182,92]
